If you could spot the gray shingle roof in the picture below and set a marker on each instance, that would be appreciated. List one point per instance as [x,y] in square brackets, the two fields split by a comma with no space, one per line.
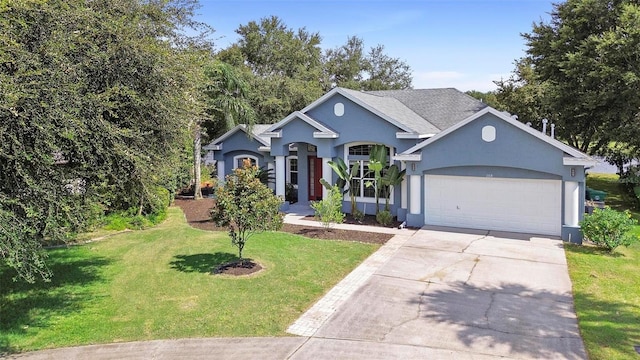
[441,108]
[396,110]
[257,131]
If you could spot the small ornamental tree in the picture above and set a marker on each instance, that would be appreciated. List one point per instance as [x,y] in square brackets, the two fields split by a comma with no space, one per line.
[246,206]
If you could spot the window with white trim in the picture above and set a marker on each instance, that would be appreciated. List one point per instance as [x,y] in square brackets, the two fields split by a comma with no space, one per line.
[238,161]
[292,171]
[359,154]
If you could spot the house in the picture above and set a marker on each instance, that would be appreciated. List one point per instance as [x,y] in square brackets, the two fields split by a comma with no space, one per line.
[467,164]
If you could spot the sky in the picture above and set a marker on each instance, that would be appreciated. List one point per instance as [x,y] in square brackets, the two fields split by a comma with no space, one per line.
[464,44]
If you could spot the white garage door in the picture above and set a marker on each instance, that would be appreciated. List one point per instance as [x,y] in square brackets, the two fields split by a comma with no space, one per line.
[518,205]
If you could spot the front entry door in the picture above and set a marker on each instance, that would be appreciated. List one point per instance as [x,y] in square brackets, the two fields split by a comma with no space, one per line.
[315,173]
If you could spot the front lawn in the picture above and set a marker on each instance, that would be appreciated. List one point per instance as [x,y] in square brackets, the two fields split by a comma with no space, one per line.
[606,287]
[155,284]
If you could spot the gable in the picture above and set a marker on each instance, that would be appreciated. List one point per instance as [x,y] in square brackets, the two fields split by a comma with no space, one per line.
[571,155]
[356,123]
[511,148]
[239,141]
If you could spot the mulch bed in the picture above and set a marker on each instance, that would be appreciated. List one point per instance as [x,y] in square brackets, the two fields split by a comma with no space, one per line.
[197,214]
[237,268]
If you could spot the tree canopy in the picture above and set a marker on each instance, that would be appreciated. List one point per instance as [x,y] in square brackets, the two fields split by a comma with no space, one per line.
[286,68]
[93,110]
[582,71]
[350,67]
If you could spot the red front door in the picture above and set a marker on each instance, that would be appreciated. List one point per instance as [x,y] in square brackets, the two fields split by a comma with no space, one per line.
[315,173]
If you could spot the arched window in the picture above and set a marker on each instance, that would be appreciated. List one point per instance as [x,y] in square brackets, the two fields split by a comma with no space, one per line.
[238,161]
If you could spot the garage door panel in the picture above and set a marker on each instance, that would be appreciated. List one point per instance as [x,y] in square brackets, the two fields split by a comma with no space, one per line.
[522,205]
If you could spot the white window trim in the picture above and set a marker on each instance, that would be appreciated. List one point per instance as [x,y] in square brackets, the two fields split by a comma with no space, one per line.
[242,157]
[363,199]
[288,165]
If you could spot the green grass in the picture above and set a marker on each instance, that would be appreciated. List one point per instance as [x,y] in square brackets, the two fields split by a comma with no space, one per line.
[607,287]
[155,284]
[616,198]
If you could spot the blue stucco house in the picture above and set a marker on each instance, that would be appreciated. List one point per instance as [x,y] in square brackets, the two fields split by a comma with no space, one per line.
[467,164]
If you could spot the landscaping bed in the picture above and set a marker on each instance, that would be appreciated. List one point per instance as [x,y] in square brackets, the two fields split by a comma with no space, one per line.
[197,214]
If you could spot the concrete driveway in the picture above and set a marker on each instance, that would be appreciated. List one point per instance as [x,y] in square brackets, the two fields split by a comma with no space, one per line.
[428,294]
[448,294]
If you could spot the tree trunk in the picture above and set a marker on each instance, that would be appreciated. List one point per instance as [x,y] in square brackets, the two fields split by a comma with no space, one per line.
[197,192]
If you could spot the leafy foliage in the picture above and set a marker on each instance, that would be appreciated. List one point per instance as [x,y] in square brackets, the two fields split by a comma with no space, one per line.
[246,206]
[488,97]
[329,210]
[391,178]
[226,92]
[384,218]
[377,162]
[95,96]
[582,72]
[348,66]
[345,176]
[286,68]
[608,228]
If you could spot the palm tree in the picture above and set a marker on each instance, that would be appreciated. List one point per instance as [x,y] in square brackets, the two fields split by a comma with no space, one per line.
[225,93]
[346,176]
[393,177]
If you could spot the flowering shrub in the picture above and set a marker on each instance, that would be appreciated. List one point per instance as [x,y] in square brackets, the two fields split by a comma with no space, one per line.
[608,228]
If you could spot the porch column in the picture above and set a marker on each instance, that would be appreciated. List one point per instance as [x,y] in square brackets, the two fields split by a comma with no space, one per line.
[403,188]
[280,176]
[414,190]
[326,174]
[271,170]
[571,203]
[220,167]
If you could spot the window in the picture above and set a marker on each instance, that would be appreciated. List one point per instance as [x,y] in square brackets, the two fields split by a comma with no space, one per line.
[363,177]
[292,173]
[239,160]
[359,154]
[362,149]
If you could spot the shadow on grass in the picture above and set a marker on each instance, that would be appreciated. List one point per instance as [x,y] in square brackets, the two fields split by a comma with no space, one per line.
[24,307]
[591,250]
[202,263]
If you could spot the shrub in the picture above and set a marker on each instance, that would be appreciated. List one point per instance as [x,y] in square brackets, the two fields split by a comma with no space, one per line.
[329,210]
[608,228]
[358,215]
[384,218]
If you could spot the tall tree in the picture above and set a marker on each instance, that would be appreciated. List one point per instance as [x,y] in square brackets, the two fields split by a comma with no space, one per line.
[349,66]
[226,92]
[93,109]
[524,95]
[488,97]
[385,72]
[344,65]
[587,59]
[286,65]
